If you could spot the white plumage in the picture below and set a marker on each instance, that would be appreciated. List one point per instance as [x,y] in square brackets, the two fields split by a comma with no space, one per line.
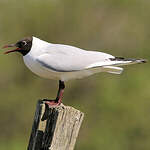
[63,62]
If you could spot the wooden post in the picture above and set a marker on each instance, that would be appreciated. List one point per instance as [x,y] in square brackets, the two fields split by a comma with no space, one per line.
[55,128]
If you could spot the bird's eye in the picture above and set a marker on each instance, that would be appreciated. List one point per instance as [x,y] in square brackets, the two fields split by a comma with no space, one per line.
[21,44]
[24,43]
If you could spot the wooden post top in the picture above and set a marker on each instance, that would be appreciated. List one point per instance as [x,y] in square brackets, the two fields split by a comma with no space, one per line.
[55,127]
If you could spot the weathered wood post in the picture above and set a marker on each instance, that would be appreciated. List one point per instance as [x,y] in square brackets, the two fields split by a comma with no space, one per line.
[55,128]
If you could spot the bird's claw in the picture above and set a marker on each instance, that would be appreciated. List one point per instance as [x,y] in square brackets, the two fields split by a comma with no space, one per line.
[51,102]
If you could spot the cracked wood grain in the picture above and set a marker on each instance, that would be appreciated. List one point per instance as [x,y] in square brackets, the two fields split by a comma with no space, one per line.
[55,128]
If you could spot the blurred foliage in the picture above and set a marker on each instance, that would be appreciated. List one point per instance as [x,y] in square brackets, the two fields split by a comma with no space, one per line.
[117,108]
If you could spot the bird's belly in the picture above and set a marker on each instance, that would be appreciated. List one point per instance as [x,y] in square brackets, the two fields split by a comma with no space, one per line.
[39,70]
[44,72]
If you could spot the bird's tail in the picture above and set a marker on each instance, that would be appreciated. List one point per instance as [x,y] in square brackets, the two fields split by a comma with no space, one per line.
[120,61]
[112,66]
[112,69]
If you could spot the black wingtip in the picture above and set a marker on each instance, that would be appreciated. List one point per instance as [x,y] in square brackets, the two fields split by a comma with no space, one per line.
[144,60]
[129,59]
[141,60]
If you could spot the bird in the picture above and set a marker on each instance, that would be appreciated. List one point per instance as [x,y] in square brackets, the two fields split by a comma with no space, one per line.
[63,62]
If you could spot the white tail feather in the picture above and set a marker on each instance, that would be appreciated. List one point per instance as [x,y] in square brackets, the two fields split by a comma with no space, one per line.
[117,62]
[112,69]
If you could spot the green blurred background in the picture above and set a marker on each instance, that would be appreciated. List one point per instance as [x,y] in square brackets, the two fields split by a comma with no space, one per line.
[116,107]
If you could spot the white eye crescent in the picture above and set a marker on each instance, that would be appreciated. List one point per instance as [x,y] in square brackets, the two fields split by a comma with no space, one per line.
[25,43]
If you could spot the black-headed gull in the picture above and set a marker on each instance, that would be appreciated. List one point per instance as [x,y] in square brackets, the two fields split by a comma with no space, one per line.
[64,62]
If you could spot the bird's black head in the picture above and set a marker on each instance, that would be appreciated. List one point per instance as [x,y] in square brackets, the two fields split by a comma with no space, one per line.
[23,46]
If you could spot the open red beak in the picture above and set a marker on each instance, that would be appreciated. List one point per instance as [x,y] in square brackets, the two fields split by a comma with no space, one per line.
[11,45]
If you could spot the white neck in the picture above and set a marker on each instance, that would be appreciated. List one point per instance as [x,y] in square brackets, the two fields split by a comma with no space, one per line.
[38,46]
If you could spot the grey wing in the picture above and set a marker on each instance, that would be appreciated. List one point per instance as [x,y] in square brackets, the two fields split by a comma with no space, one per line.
[58,64]
[64,58]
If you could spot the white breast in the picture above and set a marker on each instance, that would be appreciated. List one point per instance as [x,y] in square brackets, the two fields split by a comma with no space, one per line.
[62,62]
[33,65]
[39,70]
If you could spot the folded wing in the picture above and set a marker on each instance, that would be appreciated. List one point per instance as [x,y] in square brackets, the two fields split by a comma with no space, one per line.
[64,58]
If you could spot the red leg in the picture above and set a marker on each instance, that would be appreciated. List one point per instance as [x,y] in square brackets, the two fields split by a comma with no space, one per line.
[59,97]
